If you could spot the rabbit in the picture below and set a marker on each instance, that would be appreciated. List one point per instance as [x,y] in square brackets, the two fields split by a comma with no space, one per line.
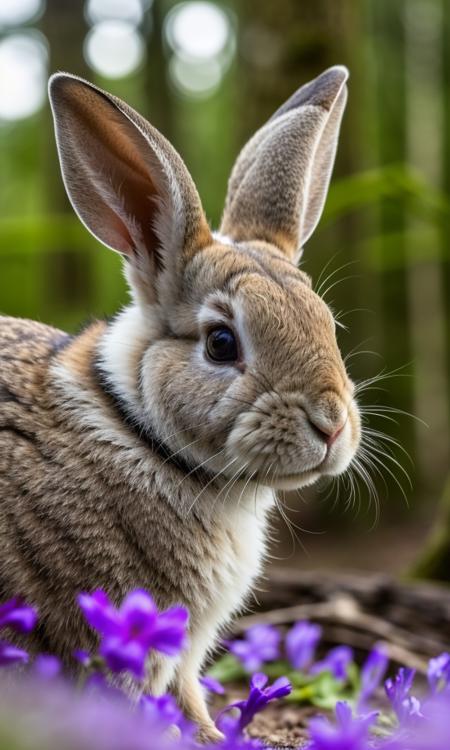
[146,450]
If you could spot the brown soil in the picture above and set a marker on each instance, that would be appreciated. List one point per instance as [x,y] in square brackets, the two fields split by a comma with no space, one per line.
[412,621]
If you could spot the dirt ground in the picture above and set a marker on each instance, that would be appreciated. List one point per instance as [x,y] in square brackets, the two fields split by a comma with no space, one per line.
[387,549]
[312,530]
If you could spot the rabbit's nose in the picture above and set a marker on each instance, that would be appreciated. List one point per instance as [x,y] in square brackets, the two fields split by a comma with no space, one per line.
[329,433]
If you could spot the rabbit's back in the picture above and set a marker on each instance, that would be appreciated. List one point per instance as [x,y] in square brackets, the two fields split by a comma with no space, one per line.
[25,350]
[57,534]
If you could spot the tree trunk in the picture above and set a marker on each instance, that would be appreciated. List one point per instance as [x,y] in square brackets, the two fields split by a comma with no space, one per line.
[434,561]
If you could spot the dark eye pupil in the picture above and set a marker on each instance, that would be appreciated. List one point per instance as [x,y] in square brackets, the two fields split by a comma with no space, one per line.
[221,345]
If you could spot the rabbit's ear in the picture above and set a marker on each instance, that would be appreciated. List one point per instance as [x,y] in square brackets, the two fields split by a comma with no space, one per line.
[127,184]
[279,183]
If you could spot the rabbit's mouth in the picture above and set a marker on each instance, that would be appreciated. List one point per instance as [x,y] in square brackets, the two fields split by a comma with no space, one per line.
[329,466]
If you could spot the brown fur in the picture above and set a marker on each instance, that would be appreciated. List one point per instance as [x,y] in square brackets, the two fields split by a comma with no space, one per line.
[128,458]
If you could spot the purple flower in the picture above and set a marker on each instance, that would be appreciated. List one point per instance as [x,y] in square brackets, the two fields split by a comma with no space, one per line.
[233,740]
[99,685]
[60,716]
[438,672]
[434,732]
[336,662]
[397,691]
[214,686]
[129,632]
[261,644]
[372,672]
[163,713]
[47,667]
[82,657]
[431,733]
[301,642]
[18,616]
[347,734]
[258,698]
[161,710]
[10,654]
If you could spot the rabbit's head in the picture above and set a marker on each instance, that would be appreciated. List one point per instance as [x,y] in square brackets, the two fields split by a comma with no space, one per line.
[226,354]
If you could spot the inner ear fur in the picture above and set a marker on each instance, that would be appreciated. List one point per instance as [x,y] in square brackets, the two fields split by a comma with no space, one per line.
[126,182]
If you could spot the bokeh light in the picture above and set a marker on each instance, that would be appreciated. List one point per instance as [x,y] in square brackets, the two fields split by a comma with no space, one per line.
[23,75]
[17,12]
[114,49]
[201,37]
[194,79]
[197,30]
[131,11]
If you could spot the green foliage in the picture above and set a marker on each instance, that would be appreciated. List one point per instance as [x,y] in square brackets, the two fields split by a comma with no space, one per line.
[394,183]
[321,690]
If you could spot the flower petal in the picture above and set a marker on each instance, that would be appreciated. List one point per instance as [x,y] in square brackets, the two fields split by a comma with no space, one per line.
[214,686]
[18,616]
[10,654]
[99,612]
[138,611]
[124,656]
[169,633]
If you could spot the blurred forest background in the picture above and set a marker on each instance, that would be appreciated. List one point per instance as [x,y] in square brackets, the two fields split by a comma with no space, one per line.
[207,75]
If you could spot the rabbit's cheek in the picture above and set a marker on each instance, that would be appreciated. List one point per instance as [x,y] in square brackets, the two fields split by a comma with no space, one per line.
[275,438]
[278,440]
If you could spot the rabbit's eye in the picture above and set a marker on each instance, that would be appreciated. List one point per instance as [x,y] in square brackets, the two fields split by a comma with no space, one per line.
[221,345]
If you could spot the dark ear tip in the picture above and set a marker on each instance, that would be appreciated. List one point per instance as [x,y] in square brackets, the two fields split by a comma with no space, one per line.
[339,72]
[320,92]
[328,84]
[57,81]
[323,90]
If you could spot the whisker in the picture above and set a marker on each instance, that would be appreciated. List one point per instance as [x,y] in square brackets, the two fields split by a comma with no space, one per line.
[250,404]
[338,281]
[359,353]
[290,527]
[186,429]
[344,313]
[361,469]
[355,491]
[230,484]
[296,525]
[265,383]
[365,414]
[209,483]
[198,466]
[371,436]
[245,487]
[382,408]
[375,459]
[183,447]
[319,288]
[327,265]
[382,376]
[354,350]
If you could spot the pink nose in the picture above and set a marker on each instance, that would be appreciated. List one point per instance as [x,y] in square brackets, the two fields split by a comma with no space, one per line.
[327,436]
[330,439]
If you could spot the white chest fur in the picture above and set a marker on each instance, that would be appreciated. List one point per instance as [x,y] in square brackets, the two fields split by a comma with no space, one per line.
[239,560]
[245,529]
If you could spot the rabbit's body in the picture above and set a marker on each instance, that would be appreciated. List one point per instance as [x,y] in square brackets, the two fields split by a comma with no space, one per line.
[87,502]
[145,451]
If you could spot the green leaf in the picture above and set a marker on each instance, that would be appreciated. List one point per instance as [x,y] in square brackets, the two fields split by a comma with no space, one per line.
[227,669]
[394,182]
